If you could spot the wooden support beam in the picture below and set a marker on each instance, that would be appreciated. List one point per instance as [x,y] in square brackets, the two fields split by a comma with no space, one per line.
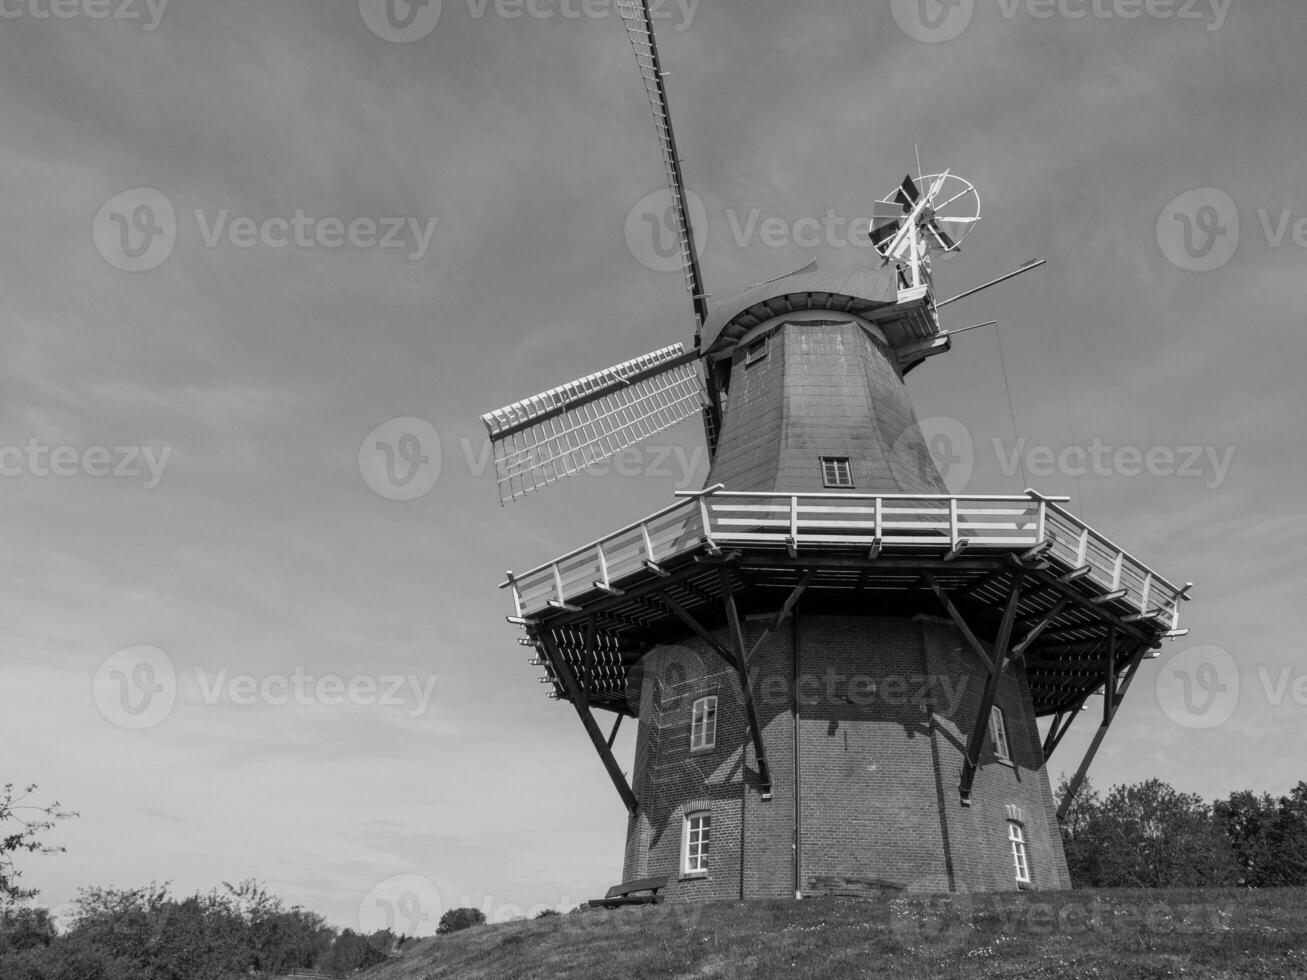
[1020,649]
[1113,694]
[612,736]
[1098,600]
[588,662]
[980,729]
[958,621]
[564,673]
[783,613]
[746,688]
[1072,576]
[681,613]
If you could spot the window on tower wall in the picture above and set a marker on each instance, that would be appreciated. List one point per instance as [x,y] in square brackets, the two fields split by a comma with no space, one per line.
[755,352]
[703,724]
[1017,838]
[998,734]
[694,846]
[837,472]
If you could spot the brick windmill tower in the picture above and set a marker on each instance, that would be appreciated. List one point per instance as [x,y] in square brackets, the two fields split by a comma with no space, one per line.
[836,666]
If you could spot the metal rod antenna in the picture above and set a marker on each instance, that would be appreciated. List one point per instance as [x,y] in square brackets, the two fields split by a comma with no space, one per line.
[1035,264]
[974,326]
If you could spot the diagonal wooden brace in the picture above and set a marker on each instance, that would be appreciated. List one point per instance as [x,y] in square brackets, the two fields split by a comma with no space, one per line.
[1113,694]
[746,687]
[998,664]
[577,696]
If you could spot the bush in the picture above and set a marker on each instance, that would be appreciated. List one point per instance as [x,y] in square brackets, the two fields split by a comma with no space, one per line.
[456,920]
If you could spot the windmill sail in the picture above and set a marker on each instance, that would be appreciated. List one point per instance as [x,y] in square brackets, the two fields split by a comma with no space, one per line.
[559,432]
[639,28]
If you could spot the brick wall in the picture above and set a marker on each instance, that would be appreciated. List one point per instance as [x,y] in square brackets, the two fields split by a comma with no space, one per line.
[884,707]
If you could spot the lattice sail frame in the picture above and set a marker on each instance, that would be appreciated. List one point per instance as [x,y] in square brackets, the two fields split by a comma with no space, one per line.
[639,29]
[562,431]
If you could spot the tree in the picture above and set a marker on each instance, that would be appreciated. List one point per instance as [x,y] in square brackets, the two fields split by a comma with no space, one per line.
[1268,836]
[455,920]
[1147,835]
[21,827]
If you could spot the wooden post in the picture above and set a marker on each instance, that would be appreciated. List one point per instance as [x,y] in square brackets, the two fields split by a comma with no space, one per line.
[980,730]
[742,667]
[574,693]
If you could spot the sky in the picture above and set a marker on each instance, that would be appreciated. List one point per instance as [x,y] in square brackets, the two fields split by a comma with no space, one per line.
[265,264]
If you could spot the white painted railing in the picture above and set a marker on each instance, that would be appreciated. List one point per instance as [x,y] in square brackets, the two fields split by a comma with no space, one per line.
[805,522]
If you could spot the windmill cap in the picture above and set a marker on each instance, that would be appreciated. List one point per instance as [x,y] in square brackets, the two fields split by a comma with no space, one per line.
[854,291]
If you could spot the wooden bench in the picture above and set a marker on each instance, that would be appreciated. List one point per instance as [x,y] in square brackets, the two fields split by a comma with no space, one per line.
[626,893]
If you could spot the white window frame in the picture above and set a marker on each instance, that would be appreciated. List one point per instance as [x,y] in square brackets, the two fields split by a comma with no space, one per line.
[1016,836]
[755,352]
[998,734]
[695,854]
[832,480]
[703,735]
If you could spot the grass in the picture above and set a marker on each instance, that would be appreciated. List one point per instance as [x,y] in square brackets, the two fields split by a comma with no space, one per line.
[1125,934]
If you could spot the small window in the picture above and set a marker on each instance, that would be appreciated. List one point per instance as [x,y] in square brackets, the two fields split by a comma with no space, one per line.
[755,352]
[703,724]
[998,733]
[1017,838]
[837,472]
[698,834]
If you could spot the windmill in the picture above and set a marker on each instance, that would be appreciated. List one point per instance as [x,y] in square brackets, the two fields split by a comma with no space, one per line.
[824,546]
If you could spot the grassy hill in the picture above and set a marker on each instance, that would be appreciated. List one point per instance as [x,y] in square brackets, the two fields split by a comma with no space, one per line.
[1066,935]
